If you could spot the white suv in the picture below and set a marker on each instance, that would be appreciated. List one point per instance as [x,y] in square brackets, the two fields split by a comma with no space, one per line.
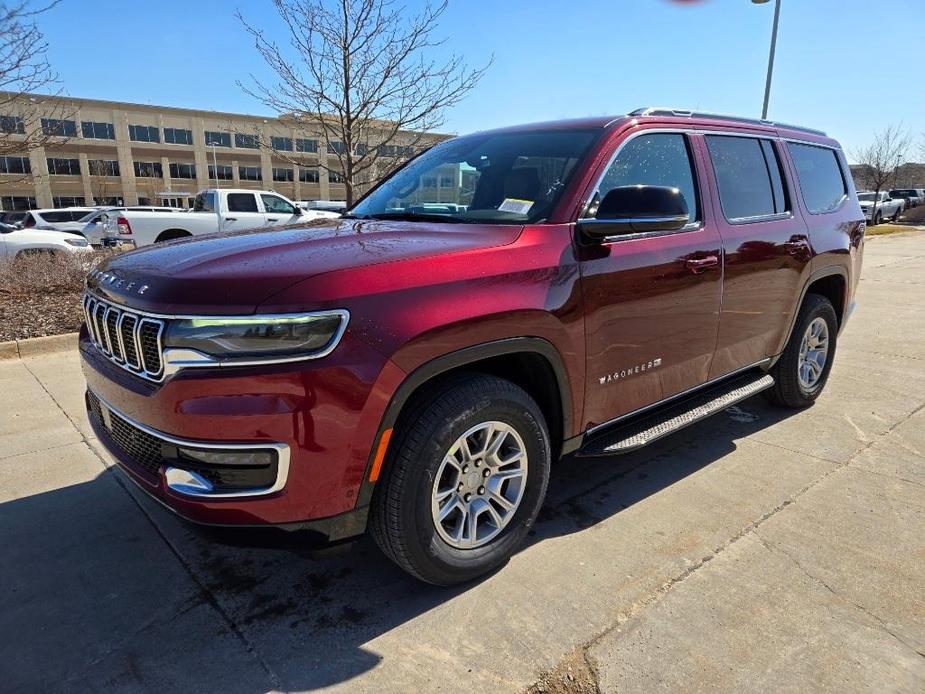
[14,242]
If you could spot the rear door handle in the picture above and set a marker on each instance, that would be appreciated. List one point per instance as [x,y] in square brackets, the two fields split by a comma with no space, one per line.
[698,265]
[797,246]
[231,219]
[272,219]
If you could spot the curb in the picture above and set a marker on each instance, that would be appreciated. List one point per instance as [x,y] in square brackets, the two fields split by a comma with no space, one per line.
[34,346]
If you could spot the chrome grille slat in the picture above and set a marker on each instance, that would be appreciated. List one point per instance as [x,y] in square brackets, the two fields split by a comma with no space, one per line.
[128,338]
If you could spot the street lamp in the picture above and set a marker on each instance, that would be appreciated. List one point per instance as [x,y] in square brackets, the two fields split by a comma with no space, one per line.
[767,84]
[214,161]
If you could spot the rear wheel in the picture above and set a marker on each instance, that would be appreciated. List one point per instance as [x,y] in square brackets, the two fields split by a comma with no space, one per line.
[878,218]
[803,369]
[465,479]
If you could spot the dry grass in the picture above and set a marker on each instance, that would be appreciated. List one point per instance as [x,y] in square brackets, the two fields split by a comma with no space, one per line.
[884,229]
[40,294]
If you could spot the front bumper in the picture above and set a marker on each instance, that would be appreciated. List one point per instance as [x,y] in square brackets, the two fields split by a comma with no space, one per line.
[319,419]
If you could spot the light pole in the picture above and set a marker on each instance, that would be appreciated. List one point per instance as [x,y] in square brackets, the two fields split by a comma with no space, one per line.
[214,162]
[767,84]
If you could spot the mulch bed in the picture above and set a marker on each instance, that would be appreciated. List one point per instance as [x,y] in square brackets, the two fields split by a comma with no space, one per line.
[37,315]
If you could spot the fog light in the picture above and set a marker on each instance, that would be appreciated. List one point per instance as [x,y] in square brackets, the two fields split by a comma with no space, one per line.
[186,482]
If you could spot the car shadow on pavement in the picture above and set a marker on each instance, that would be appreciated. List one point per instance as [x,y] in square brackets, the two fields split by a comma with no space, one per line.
[307,620]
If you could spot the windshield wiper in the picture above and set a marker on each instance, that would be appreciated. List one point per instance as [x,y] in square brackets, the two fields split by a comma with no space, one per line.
[421,217]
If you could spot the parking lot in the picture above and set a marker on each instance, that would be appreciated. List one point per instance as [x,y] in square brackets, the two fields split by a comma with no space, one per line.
[758,550]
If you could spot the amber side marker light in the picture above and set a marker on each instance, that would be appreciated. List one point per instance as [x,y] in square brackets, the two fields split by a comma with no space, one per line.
[380,455]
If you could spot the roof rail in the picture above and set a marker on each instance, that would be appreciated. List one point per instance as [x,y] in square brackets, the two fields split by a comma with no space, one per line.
[687,113]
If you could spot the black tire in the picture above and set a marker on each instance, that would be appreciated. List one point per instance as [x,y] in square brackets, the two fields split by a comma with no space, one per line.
[878,219]
[172,235]
[401,519]
[787,390]
[895,217]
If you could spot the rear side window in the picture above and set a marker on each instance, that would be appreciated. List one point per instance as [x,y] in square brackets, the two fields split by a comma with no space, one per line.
[821,182]
[242,202]
[659,159]
[748,175]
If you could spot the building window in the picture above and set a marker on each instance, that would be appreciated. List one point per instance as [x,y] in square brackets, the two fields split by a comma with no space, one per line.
[243,141]
[97,131]
[218,139]
[148,169]
[446,182]
[17,202]
[12,125]
[56,126]
[335,177]
[282,174]
[67,201]
[303,145]
[144,133]
[15,165]
[361,149]
[336,147]
[308,175]
[63,167]
[250,173]
[182,170]
[429,181]
[111,202]
[281,144]
[224,172]
[103,167]
[178,136]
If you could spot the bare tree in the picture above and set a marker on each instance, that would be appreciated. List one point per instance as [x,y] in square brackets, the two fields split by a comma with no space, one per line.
[360,73]
[101,184]
[24,70]
[149,184]
[882,158]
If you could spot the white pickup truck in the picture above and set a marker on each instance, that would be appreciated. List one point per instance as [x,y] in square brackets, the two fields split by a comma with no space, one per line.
[216,209]
[885,207]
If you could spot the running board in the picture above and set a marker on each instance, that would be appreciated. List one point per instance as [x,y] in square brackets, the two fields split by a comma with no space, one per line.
[638,432]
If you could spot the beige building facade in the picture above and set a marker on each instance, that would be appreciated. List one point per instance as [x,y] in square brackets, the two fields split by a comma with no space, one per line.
[113,153]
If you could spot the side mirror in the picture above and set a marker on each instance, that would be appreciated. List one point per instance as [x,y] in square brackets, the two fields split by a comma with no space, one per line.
[298,211]
[637,209]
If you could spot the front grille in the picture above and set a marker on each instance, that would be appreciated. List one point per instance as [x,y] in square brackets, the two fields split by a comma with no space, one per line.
[128,338]
[143,449]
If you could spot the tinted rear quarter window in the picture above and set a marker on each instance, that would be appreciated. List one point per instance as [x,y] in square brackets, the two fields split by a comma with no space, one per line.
[748,176]
[822,185]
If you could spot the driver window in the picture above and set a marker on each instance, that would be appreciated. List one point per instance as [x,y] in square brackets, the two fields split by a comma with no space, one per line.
[277,205]
[659,159]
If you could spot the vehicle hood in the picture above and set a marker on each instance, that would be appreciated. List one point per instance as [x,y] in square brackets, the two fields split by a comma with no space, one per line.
[233,273]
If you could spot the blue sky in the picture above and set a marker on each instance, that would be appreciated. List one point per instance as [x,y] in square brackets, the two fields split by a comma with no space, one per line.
[552,58]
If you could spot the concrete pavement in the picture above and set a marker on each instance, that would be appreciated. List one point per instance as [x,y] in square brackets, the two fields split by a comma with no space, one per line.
[761,549]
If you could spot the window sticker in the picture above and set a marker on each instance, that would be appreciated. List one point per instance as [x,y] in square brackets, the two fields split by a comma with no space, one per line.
[515,206]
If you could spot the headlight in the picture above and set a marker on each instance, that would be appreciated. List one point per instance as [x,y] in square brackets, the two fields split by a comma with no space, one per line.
[303,335]
[80,243]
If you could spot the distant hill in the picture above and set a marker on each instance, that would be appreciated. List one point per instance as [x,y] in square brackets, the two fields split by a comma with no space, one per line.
[910,175]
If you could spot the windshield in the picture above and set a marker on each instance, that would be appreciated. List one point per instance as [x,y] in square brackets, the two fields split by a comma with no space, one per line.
[508,178]
[866,197]
[902,193]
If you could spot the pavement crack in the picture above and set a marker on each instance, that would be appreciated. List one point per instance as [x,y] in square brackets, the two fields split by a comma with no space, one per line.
[777,548]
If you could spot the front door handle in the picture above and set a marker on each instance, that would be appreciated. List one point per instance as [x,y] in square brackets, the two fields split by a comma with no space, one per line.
[272,219]
[231,219]
[698,265]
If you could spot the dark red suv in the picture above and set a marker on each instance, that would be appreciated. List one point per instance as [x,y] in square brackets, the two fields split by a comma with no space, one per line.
[506,298]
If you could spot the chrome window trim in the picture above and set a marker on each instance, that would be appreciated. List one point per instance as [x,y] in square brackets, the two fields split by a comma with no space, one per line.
[777,216]
[177,359]
[282,456]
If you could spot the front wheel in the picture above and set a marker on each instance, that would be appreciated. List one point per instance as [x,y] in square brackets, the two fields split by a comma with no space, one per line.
[878,218]
[464,482]
[896,214]
[803,369]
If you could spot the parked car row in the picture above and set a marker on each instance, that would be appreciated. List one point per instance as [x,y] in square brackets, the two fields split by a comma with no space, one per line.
[879,206]
[913,197]
[215,210]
